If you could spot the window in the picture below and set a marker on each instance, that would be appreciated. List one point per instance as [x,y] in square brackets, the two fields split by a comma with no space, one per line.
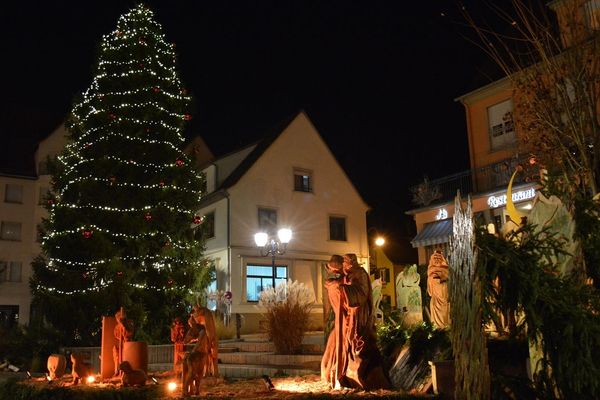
[302,181]
[10,231]
[9,315]
[501,125]
[209,225]
[267,220]
[260,277]
[3,271]
[14,272]
[337,228]
[44,194]
[13,193]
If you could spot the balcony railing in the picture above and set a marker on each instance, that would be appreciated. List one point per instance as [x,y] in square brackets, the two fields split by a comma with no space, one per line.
[483,179]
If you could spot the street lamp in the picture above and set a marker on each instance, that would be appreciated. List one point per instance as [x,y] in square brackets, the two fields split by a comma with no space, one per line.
[271,246]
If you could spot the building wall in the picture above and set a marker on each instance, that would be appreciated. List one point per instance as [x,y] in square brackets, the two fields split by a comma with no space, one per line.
[21,250]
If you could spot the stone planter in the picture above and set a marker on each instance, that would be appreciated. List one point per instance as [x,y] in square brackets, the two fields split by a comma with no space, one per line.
[442,376]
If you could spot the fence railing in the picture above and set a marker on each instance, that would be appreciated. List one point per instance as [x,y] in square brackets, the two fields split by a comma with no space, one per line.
[157,354]
[483,179]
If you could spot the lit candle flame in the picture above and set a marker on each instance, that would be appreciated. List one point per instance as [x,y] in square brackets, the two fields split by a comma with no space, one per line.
[172,386]
[91,379]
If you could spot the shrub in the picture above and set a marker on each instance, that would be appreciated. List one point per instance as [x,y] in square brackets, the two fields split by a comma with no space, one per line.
[287,312]
[224,331]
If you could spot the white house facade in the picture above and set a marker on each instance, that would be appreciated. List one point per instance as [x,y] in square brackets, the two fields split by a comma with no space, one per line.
[22,199]
[290,180]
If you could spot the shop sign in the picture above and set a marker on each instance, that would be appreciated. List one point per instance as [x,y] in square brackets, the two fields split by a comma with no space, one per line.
[521,195]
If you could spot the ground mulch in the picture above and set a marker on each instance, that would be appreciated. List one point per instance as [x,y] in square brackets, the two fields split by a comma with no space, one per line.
[305,387]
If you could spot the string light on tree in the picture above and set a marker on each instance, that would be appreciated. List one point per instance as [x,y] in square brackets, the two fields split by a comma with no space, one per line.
[124,193]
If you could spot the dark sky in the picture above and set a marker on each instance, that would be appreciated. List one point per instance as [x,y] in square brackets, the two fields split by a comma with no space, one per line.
[377,78]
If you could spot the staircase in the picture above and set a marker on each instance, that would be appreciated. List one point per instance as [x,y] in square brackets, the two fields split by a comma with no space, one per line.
[253,356]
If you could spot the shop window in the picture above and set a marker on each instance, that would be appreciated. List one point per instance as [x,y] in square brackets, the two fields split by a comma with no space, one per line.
[262,277]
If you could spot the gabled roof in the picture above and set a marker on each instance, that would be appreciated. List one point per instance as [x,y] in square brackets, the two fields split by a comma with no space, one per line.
[260,147]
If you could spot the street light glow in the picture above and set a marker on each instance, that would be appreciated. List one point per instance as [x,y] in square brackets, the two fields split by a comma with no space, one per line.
[261,239]
[285,235]
[380,241]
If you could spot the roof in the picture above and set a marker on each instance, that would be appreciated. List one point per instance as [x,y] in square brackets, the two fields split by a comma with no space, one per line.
[433,233]
[260,147]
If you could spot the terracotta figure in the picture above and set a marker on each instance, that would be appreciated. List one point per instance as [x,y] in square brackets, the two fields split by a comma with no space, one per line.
[177,337]
[203,316]
[409,295]
[57,363]
[351,357]
[132,377]
[437,287]
[196,362]
[79,369]
[123,333]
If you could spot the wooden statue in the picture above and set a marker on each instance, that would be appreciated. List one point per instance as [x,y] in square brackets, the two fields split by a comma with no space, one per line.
[195,362]
[178,337]
[123,333]
[437,287]
[203,316]
[80,370]
[57,363]
[130,376]
[351,357]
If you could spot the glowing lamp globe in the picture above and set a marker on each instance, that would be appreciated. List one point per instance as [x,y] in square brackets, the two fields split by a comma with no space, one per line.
[261,239]
[285,235]
[172,386]
[379,241]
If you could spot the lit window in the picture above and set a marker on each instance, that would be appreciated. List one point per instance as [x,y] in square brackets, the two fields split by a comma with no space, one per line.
[501,125]
[13,193]
[10,231]
[260,277]
[302,181]
[267,220]
[337,228]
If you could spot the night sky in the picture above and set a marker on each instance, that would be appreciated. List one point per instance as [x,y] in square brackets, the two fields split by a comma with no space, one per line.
[378,79]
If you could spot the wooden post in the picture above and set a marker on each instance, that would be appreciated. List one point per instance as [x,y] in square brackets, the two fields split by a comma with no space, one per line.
[107,365]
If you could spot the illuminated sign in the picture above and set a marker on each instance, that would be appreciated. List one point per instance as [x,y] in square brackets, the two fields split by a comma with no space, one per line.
[497,201]
[442,214]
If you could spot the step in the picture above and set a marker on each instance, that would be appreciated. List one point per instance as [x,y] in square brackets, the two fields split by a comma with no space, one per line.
[269,347]
[264,358]
[257,370]
[248,370]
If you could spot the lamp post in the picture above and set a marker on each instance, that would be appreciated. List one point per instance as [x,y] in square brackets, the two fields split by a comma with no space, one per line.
[273,246]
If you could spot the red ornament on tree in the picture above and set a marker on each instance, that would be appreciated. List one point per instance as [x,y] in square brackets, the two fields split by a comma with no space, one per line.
[120,273]
[118,33]
[167,244]
[187,117]
[50,202]
[87,233]
[156,89]
[179,162]
[112,179]
[142,40]
[87,145]
[170,282]
[197,219]
[161,183]
[183,91]
[148,216]
[112,116]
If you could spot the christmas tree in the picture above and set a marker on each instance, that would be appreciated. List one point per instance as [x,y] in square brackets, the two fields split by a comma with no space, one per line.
[122,225]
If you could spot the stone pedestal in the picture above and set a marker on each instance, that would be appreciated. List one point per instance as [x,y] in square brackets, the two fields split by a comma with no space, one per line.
[137,355]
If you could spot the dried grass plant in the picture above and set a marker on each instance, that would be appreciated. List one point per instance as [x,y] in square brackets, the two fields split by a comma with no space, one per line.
[287,310]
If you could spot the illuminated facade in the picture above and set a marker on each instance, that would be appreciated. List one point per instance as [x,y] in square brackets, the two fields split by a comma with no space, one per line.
[493,158]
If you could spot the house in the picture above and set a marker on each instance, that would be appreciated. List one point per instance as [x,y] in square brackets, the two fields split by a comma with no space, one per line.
[22,198]
[288,180]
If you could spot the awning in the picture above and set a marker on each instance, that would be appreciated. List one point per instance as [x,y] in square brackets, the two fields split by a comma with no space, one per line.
[433,233]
